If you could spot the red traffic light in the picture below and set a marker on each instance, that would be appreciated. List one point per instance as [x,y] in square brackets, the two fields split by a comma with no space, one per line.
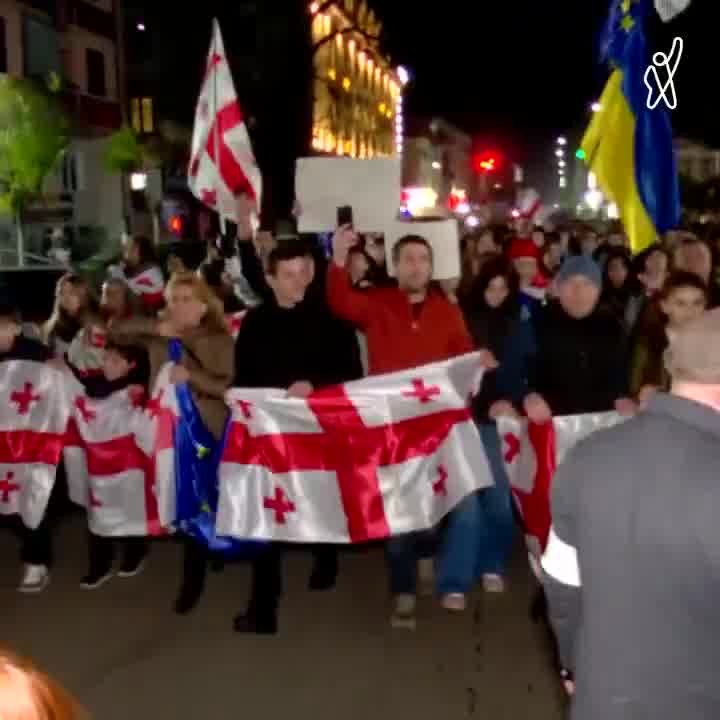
[487,162]
[176,224]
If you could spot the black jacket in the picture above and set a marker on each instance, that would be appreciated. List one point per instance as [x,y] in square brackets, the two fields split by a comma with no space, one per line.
[581,365]
[277,347]
[27,349]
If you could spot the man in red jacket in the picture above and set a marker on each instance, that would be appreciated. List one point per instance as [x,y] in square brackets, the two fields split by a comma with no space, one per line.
[406,326]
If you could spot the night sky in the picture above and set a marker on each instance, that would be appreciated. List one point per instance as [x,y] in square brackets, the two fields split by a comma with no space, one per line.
[513,73]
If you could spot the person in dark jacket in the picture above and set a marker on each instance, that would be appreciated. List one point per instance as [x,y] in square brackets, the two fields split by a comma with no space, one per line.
[36,550]
[631,568]
[282,344]
[479,532]
[619,283]
[581,363]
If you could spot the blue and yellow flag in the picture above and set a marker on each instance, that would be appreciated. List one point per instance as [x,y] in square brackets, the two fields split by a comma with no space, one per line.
[628,146]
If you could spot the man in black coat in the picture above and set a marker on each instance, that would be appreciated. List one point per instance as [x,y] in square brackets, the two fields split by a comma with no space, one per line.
[581,363]
[283,344]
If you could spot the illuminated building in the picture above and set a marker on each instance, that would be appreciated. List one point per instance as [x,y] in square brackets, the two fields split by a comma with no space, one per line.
[357,106]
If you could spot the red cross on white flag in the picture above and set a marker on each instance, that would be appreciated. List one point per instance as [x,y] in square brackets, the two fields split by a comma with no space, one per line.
[532,453]
[378,457]
[222,164]
[33,417]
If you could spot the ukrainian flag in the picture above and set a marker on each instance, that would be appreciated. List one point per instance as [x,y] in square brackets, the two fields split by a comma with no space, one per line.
[627,146]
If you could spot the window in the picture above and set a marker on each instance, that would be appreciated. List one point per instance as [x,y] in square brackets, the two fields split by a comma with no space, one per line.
[41,48]
[95,72]
[142,116]
[3,47]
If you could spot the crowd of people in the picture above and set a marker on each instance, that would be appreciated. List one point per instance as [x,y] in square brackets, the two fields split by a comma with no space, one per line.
[569,322]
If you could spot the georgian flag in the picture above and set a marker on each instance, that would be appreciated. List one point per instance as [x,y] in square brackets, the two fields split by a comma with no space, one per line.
[532,453]
[119,459]
[33,418]
[222,164]
[382,456]
[149,286]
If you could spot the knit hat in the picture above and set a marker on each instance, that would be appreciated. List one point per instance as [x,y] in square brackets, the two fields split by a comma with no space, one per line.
[580,265]
[694,351]
[524,248]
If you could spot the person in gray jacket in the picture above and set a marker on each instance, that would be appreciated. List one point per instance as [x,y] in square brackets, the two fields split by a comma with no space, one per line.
[632,566]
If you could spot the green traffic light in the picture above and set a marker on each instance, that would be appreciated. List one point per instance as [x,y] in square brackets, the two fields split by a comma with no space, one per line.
[580,154]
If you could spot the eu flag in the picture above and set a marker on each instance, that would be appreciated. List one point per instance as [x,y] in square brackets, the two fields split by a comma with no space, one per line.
[628,146]
[197,459]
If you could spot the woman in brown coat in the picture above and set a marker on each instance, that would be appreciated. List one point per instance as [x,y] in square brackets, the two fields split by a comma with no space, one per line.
[195,317]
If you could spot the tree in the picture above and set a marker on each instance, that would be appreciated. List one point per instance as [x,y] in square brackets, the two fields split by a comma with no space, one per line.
[34,133]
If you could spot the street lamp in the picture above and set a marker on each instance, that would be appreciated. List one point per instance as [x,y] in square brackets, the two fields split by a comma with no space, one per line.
[436,165]
[560,153]
[562,141]
[403,75]
[596,107]
[561,164]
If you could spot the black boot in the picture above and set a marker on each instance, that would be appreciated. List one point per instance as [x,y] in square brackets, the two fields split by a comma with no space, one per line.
[325,569]
[193,582]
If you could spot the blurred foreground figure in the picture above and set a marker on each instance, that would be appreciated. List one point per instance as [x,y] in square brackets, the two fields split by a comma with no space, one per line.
[631,566]
[28,694]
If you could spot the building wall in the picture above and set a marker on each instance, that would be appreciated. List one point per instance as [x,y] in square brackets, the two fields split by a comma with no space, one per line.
[357,95]
[697,161]
[75,44]
[10,12]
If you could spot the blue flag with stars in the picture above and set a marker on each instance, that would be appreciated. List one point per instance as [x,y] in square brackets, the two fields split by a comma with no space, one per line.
[197,459]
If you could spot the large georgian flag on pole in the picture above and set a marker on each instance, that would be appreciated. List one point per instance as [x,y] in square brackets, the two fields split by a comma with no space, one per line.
[382,456]
[532,453]
[33,418]
[222,164]
[120,460]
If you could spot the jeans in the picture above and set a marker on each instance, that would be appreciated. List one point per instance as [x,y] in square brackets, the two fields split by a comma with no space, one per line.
[402,553]
[479,531]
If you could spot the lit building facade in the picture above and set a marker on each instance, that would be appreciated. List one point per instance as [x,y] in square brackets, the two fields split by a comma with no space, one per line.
[357,108]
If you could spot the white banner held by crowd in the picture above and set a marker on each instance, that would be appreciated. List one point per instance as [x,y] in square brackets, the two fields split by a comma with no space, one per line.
[382,456]
[371,187]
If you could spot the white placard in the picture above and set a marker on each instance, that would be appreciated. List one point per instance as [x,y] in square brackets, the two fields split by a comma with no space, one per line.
[444,238]
[371,187]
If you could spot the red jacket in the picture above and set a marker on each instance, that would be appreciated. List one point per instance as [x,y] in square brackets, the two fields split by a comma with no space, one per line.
[396,340]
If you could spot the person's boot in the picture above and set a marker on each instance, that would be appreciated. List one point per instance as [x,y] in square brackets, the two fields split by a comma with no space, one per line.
[133,562]
[251,623]
[324,574]
[189,597]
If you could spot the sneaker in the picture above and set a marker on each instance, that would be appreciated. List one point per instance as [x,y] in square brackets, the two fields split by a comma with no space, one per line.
[403,617]
[95,579]
[454,602]
[35,579]
[426,576]
[493,584]
[131,566]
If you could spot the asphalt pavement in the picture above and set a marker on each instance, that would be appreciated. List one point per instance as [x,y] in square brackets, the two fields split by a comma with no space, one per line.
[123,652]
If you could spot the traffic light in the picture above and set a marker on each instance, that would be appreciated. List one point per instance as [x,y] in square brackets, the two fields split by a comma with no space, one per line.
[486,162]
[175,225]
[580,154]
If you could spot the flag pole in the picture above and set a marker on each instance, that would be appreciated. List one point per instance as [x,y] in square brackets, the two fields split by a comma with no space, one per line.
[223,226]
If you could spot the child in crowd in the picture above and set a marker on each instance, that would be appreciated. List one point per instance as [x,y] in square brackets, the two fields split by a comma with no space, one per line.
[683,299]
[36,548]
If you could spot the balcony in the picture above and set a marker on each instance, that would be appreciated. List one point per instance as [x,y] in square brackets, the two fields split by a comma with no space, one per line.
[91,18]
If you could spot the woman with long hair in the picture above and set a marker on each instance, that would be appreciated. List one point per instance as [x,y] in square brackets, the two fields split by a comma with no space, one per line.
[73,301]
[26,693]
[194,315]
[619,282]
[482,526]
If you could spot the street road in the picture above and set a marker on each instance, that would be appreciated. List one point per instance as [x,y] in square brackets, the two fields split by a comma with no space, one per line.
[123,652]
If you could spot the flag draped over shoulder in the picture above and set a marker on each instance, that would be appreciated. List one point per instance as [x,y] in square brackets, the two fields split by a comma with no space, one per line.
[628,146]
[222,164]
[382,456]
[33,418]
[532,453]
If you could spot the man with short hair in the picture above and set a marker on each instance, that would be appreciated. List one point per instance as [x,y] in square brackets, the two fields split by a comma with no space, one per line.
[631,567]
[282,344]
[406,326]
